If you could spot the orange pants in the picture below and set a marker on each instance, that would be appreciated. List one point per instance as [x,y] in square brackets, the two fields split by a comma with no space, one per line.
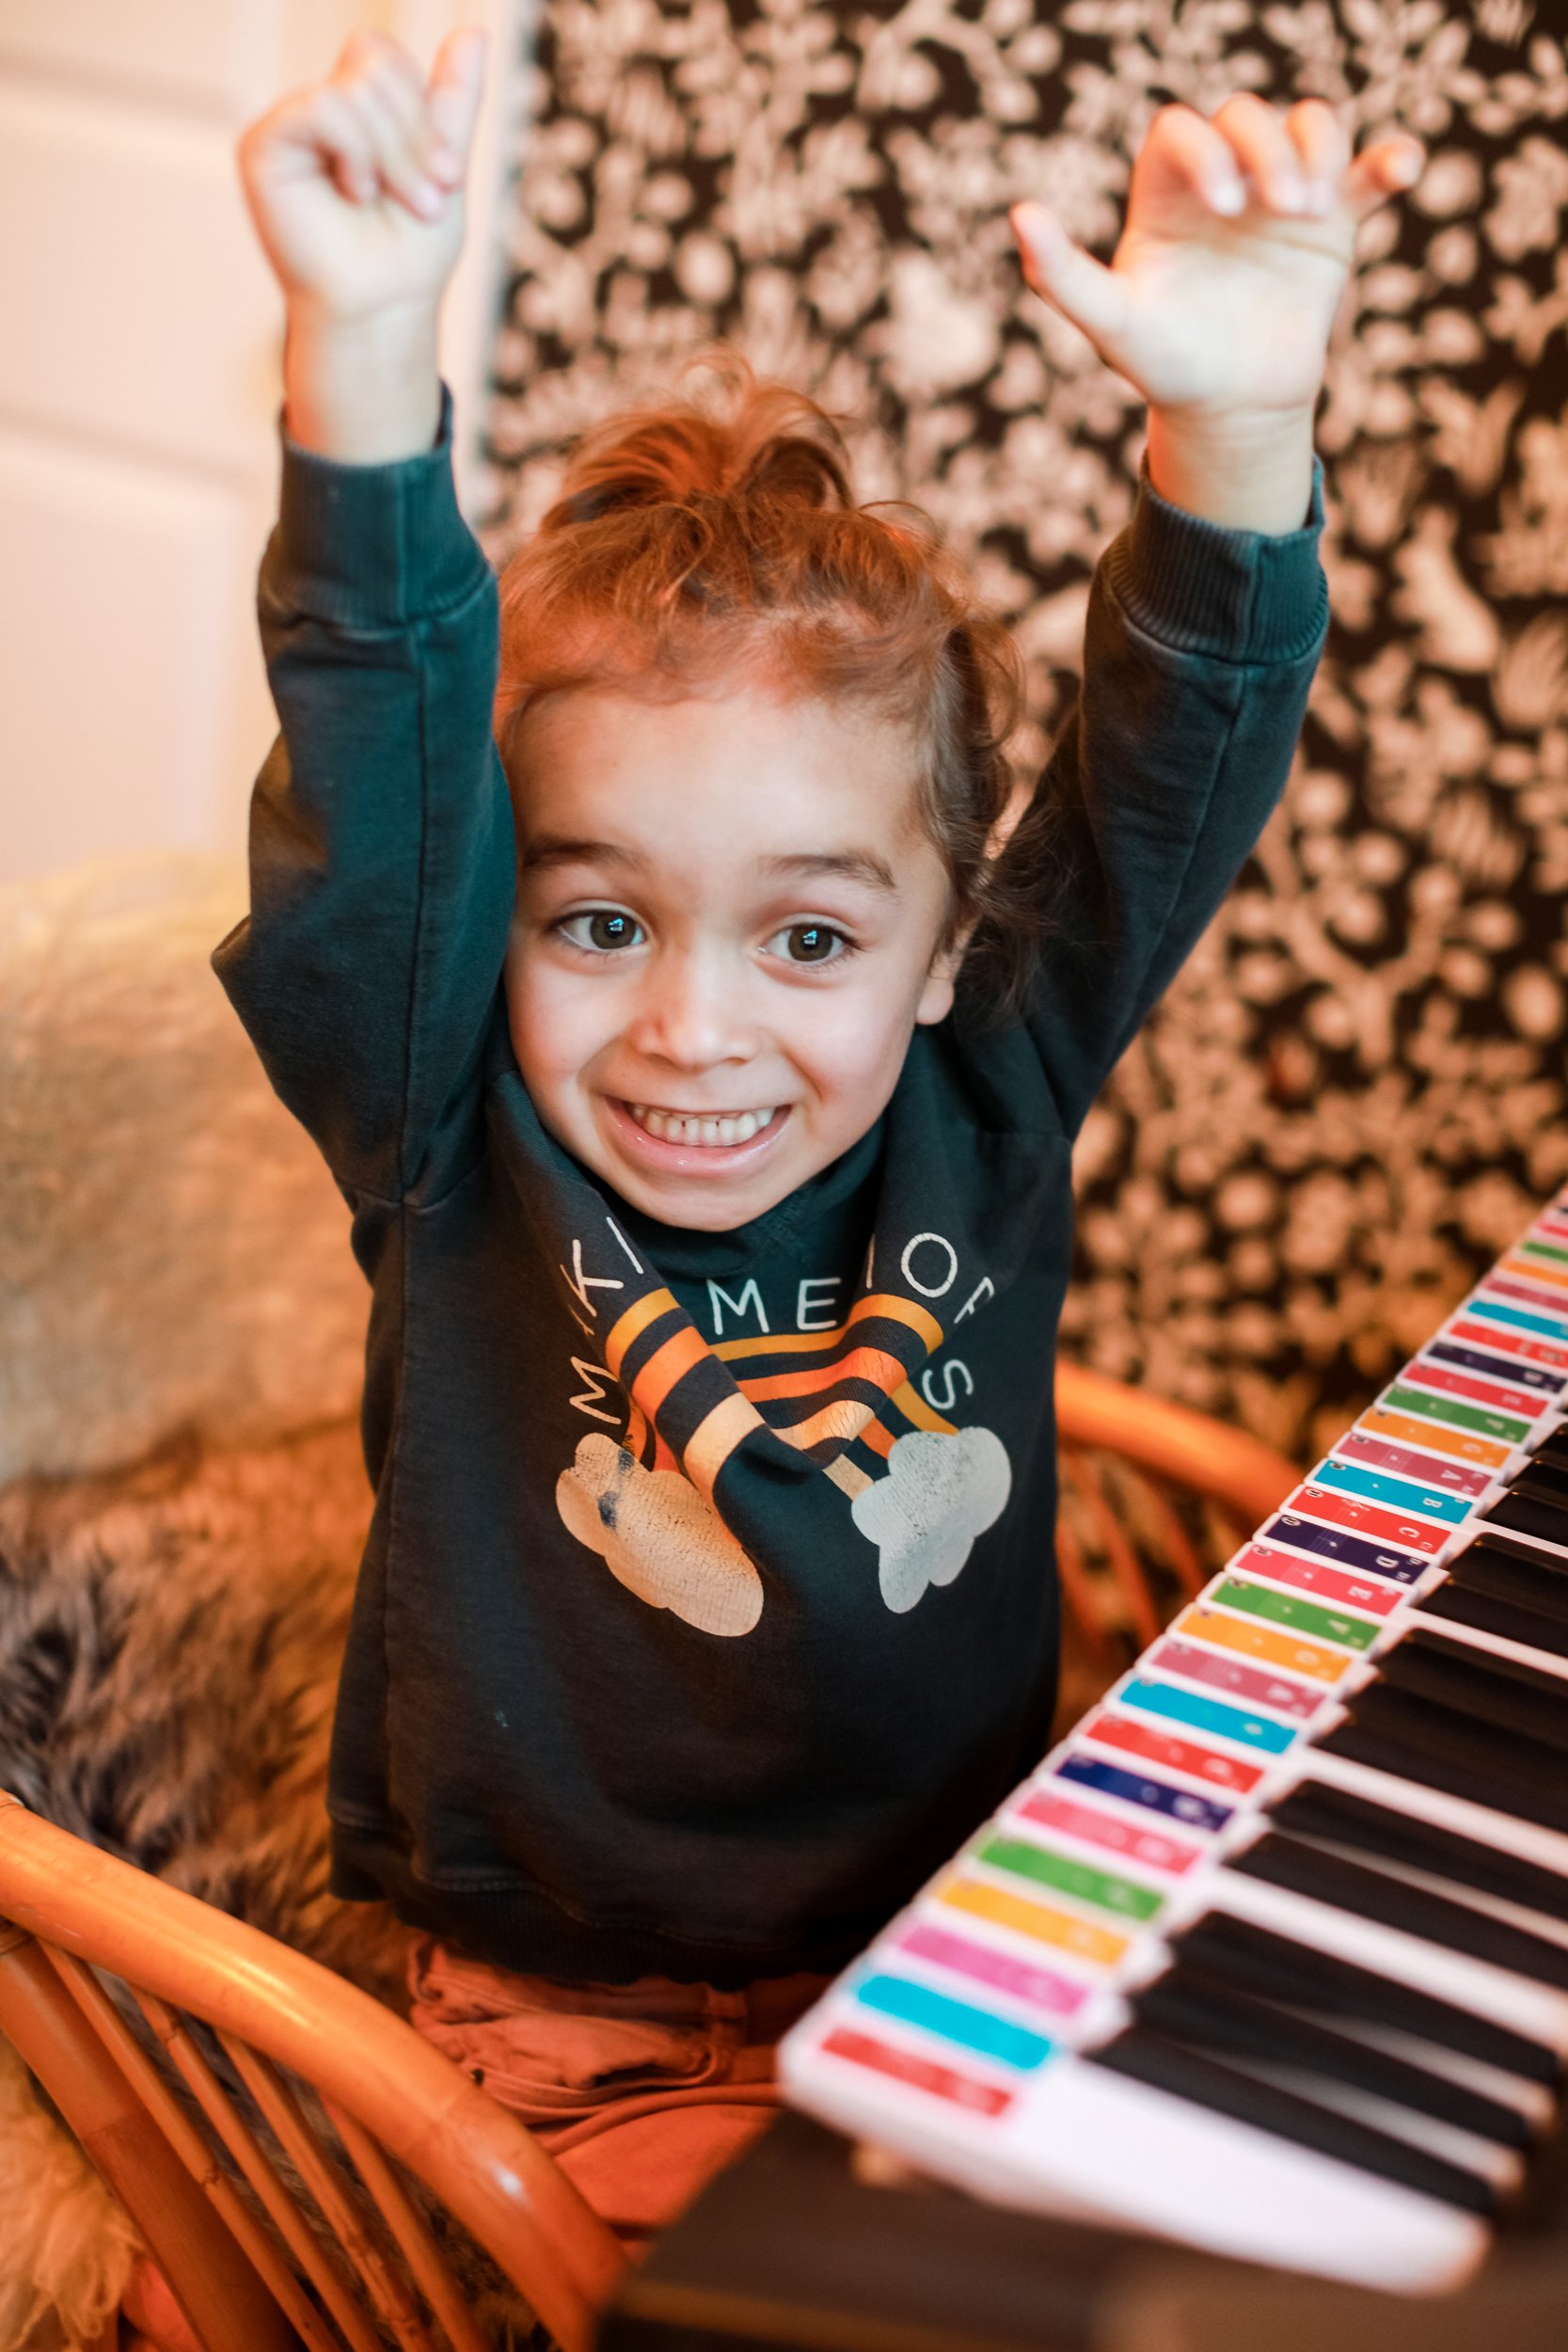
[641,2091]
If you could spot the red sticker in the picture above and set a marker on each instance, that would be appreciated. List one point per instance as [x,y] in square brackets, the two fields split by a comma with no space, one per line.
[1524,1401]
[1503,1342]
[1181,1755]
[942,2082]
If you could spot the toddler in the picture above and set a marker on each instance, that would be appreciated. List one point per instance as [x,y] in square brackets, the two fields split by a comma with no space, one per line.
[698,1023]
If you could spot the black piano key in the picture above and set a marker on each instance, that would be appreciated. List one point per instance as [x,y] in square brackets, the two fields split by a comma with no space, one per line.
[1164,2065]
[1500,1564]
[1393,1731]
[1488,1616]
[1316,1809]
[1483,1689]
[1276,1968]
[1518,1375]
[1547,1479]
[1368,1893]
[1530,1515]
[1553,1449]
[1207,2013]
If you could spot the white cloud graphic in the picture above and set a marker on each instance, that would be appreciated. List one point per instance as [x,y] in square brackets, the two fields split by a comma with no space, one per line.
[939,1494]
[658,1538]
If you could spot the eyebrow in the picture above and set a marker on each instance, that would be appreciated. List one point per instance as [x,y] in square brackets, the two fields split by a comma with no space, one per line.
[862,865]
[550,849]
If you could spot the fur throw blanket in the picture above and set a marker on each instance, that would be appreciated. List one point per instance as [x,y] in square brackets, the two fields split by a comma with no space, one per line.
[169,1640]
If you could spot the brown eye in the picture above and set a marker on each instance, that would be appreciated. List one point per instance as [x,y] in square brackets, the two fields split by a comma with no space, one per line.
[812,943]
[602,929]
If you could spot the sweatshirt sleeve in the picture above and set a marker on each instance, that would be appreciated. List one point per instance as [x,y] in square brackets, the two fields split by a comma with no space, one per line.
[381,843]
[1200,650]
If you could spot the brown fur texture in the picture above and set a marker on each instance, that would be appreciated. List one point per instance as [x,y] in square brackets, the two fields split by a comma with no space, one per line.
[169,1640]
[172,1253]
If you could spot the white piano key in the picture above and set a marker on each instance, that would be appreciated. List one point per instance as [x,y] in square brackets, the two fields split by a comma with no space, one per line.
[1095,2145]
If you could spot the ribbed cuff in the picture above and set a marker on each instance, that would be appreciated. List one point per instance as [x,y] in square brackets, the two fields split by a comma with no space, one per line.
[371,546]
[1234,596]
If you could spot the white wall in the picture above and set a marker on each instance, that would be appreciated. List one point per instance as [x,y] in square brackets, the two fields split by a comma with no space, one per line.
[138,390]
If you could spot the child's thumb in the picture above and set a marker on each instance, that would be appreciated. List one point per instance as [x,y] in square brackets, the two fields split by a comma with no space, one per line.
[456,85]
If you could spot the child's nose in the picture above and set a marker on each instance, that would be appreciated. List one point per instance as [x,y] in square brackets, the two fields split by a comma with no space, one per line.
[690,1013]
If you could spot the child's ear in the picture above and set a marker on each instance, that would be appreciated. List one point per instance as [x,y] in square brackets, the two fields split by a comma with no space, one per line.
[936,997]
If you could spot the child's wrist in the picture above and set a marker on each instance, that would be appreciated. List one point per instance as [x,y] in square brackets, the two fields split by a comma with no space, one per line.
[366,389]
[1244,471]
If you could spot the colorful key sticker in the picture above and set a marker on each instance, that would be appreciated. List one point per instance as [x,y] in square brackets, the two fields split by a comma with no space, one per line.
[1507,1428]
[1360,1445]
[1533,1378]
[1250,1685]
[978,2030]
[1351,1551]
[1020,1857]
[1043,1922]
[1303,1616]
[1042,1988]
[1202,1714]
[1331,1585]
[1379,1423]
[1510,1342]
[1400,1494]
[1156,1796]
[1536,1271]
[1365,1519]
[1493,1301]
[1284,1650]
[1093,1828]
[921,2073]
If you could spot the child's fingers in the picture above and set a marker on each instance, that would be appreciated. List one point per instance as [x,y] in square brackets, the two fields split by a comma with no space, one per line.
[328,122]
[1071,280]
[382,85]
[1264,150]
[1324,150]
[452,100]
[1184,153]
[1388,168]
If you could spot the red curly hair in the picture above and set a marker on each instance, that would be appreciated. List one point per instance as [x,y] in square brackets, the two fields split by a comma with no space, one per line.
[716,537]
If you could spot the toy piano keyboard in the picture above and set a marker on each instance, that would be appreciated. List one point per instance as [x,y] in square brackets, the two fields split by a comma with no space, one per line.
[1271,1954]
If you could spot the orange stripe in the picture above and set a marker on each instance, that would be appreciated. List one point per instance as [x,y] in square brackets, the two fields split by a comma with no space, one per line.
[881,1440]
[811,1343]
[914,1408]
[1536,1272]
[637,1430]
[636,1319]
[665,1366]
[843,1419]
[715,1438]
[861,1364]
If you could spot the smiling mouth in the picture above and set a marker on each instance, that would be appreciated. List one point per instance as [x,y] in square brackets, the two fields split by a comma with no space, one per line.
[700,1131]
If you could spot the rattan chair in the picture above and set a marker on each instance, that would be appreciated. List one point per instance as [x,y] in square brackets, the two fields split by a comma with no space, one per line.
[1154,1497]
[67,1910]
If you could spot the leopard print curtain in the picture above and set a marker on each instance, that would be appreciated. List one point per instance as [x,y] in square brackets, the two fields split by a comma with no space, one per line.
[1354,1094]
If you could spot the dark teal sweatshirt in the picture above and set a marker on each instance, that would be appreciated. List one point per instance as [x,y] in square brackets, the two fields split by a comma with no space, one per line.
[710,1599]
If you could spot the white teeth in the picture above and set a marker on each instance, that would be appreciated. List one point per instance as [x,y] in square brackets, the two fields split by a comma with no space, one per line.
[706,1132]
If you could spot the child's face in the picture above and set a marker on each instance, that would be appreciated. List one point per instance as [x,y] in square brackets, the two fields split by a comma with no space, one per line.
[728,925]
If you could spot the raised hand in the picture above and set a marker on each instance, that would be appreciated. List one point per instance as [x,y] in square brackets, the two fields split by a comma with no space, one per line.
[354,184]
[1218,301]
